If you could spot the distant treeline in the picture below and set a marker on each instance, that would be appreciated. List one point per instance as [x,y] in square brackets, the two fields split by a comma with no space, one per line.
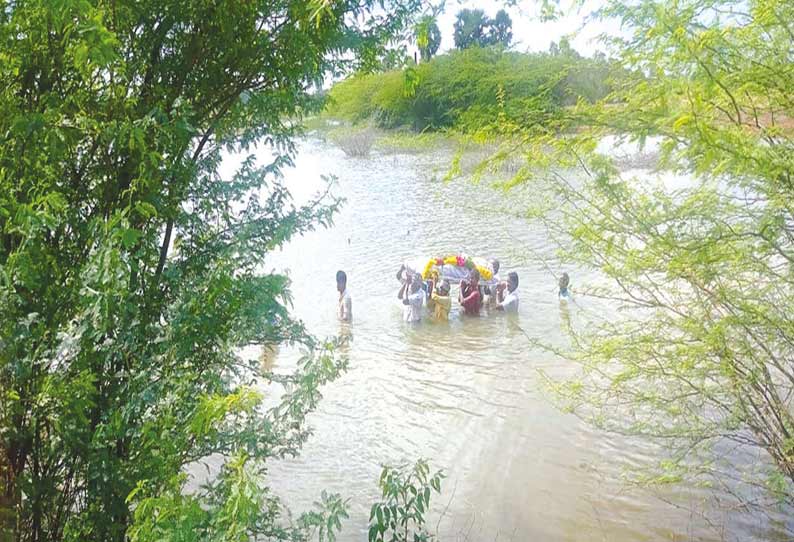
[464,89]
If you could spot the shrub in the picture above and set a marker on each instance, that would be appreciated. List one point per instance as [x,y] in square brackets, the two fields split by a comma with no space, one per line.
[401,515]
[464,89]
[355,142]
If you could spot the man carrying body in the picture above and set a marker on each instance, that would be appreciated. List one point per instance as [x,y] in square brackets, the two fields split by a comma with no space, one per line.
[440,301]
[412,297]
[490,291]
[508,302]
[470,297]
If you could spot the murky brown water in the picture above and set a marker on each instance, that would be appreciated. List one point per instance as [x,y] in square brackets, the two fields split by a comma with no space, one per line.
[466,395]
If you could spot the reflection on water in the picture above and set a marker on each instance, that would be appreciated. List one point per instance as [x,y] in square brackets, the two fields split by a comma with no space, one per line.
[465,394]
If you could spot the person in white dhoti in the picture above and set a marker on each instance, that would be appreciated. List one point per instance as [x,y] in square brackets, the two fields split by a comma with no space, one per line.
[345,307]
[412,298]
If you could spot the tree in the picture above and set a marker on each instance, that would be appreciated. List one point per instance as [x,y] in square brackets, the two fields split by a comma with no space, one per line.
[702,272]
[428,37]
[471,28]
[129,269]
[500,29]
[563,48]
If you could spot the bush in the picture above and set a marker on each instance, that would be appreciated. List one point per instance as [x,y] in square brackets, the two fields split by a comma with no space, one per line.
[465,89]
[355,142]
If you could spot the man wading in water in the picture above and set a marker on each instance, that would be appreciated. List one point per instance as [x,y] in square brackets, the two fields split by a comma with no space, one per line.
[508,302]
[470,297]
[345,310]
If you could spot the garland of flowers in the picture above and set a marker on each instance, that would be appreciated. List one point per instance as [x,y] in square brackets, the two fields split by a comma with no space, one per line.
[459,261]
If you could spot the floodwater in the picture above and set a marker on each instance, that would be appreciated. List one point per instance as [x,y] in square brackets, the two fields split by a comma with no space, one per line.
[467,395]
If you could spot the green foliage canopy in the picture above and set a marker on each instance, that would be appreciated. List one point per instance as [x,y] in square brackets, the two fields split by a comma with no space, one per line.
[473,28]
[428,37]
[470,28]
[469,88]
[129,270]
[501,29]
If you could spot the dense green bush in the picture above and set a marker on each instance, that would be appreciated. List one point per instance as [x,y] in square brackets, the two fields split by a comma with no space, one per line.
[464,89]
[130,267]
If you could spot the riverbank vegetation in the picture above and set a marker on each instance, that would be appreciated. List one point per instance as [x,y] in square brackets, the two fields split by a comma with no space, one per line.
[465,89]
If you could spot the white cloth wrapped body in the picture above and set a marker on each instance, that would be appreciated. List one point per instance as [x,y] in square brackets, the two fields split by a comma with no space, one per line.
[452,273]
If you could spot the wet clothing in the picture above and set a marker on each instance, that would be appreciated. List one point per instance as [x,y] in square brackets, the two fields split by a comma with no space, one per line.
[412,311]
[345,309]
[441,306]
[471,299]
[510,301]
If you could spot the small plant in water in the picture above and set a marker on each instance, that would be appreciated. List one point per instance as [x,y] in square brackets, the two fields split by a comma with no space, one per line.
[400,516]
[355,142]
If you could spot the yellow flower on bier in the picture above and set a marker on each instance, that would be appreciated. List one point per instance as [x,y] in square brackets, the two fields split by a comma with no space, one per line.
[485,273]
[428,267]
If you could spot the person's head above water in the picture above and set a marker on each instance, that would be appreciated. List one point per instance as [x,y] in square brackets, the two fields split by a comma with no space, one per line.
[341,281]
[495,265]
[416,284]
[564,281]
[474,277]
[443,288]
[512,281]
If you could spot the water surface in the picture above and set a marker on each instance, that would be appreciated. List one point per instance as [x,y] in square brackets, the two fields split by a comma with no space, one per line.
[466,395]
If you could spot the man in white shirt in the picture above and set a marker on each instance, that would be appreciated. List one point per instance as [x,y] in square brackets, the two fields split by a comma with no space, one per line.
[508,302]
[345,309]
[412,297]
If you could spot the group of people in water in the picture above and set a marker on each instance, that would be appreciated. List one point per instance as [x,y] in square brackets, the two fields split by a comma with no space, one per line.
[434,292]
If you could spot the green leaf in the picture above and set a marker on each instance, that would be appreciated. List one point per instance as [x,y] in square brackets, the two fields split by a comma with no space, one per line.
[129,237]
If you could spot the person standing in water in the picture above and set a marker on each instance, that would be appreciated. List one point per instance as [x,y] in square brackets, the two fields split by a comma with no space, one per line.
[412,297]
[470,297]
[345,309]
[490,291]
[563,283]
[508,302]
[441,302]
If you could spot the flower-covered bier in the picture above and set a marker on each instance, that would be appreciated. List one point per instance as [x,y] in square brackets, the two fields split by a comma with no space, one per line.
[458,261]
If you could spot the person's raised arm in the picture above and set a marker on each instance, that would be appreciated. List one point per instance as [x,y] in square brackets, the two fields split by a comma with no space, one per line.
[500,292]
[401,293]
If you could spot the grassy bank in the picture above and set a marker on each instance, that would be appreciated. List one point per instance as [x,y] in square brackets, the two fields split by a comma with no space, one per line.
[465,90]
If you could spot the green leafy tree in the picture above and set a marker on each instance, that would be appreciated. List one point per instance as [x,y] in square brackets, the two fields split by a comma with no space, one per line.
[470,28]
[702,358]
[130,270]
[500,29]
[428,37]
